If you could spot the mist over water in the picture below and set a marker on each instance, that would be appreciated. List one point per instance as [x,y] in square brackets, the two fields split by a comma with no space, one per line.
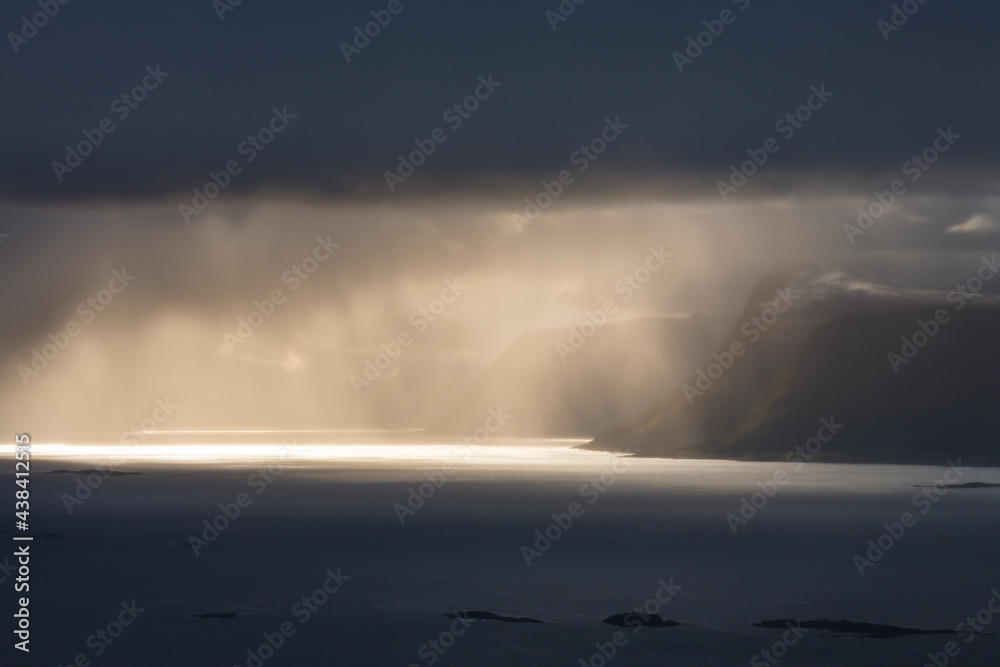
[344,333]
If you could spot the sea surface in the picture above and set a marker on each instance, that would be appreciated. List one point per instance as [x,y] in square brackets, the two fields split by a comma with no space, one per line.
[405,529]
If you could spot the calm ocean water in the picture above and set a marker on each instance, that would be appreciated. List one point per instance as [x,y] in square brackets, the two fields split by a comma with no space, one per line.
[422,528]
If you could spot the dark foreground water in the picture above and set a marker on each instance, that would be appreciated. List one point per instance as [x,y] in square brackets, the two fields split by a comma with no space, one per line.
[651,526]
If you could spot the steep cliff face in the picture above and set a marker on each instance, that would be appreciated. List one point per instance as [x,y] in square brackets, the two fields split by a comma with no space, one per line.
[911,375]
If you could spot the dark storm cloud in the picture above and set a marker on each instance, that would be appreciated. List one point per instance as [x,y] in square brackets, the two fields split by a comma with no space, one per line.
[607,59]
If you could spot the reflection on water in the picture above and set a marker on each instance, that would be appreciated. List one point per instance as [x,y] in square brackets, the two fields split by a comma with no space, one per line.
[498,453]
[401,452]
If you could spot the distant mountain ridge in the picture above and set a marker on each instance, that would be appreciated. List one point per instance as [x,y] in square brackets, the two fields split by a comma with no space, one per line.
[829,356]
[616,372]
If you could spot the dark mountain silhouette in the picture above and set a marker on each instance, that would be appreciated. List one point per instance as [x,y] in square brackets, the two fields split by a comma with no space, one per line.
[827,357]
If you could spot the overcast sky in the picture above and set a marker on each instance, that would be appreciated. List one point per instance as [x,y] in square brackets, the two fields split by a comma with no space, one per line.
[606,59]
[881,93]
